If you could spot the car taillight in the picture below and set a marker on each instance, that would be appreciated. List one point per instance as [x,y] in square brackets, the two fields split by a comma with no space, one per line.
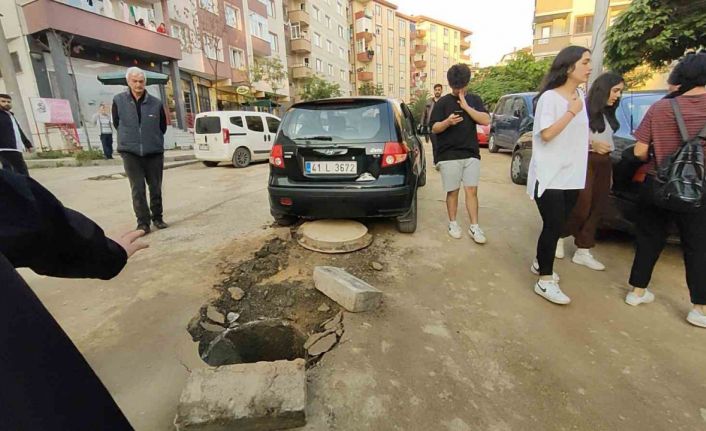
[226,136]
[394,153]
[277,156]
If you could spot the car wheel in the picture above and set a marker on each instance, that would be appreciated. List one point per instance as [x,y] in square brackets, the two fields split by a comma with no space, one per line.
[422,181]
[519,166]
[241,157]
[408,222]
[285,220]
[492,146]
[210,164]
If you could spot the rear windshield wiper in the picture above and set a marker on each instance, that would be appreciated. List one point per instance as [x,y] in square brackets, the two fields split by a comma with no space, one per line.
[315,138]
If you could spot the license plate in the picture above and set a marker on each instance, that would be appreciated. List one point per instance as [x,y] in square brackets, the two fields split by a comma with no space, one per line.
[331,168]
[203,147]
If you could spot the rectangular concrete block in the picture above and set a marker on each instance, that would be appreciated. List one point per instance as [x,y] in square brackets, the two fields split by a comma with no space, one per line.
[246,397]
[348,291]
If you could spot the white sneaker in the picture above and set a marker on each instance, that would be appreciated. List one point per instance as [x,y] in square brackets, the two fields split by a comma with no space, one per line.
[551,292]
[634,300]
[477,234]
[535,270]
[584,257]
[559,253]
[696,318]
[455,230]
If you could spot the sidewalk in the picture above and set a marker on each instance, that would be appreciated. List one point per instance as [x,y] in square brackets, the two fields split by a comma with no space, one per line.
[170,157]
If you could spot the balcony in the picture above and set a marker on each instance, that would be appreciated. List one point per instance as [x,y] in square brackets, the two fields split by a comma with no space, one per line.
[301,46]
[365,76]
[301,71]
[549,7]
[420,64]
[368,36]
[363,1]
[465,44]
[97,30]
[300,16]
[365,57]
[465,58]
[261,47]
[550,45]
[420,34]
[420,49]
[257,7]
[239,76]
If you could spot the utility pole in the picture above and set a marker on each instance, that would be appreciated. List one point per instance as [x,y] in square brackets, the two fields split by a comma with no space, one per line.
[600,26]
[11,85]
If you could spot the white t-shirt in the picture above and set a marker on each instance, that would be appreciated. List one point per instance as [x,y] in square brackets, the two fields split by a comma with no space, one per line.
[561,163]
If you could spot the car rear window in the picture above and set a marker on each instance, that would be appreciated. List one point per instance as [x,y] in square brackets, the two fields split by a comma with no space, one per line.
[255,123]
[635,107]
[352,122]
[208,125]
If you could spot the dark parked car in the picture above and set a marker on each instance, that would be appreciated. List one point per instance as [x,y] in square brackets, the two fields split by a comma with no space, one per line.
[632,109]
[353,157]
[512,117]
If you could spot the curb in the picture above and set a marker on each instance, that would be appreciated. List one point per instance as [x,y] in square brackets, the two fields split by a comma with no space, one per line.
[121,175]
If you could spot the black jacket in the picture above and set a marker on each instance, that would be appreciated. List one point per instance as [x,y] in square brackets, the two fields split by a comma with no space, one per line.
[45,383]
[7,134]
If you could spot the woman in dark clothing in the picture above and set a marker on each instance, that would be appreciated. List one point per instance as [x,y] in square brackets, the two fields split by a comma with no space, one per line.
[45,383]
[602,101]
[660,130]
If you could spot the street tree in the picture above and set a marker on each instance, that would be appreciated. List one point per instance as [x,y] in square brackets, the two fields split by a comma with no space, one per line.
[654,33]
[419,102]
[210,29]
[271,71]
[315,88]
[368,89]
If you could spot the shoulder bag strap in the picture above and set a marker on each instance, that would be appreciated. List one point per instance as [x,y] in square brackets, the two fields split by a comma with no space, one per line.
[680,121]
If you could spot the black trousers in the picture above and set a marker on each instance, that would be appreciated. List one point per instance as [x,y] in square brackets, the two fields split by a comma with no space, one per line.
[13,162]
[107,142]
[555,206]
[652,223]
[143,170]
[434,148]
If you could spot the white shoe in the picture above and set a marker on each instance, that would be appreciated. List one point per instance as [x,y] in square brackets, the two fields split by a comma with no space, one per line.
[696,318]
[535,270]
[634,300]
[477,234]
[551,292]
[559,253]
[455,230]
[584,257]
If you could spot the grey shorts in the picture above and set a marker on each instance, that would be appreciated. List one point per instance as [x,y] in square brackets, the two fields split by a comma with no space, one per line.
[456,172]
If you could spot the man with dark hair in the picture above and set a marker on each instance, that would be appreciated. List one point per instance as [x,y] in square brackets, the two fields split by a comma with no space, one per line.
[438,88]
[12,140]
[453,121]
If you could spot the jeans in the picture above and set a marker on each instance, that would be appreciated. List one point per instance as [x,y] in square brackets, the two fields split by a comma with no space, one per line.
[140,170]
[554,206]
[13,162]
[107,141]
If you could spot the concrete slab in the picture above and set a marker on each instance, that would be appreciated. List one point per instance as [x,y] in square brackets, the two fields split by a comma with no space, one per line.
[334,236]
[350,292]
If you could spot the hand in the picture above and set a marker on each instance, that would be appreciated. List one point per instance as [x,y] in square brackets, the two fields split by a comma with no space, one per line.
[30,149]
[575,105]
[462,100]
[129,242]
[454,119]
[600,147]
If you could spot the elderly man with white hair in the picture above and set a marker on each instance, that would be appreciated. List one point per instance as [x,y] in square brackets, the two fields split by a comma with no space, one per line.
[141,123]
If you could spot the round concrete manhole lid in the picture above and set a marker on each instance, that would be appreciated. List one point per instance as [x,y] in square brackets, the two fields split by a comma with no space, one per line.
[334,236]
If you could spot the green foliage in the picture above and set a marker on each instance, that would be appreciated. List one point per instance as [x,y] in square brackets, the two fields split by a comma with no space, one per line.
[88,155]
[51,154]
[419,101]
[522,74]
[368,89]
[269,70]
[655,32]
[315,88]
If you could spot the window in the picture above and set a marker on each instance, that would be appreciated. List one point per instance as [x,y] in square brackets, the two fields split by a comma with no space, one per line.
[402,93]
[328,21]
[403,26]
[433,74]
[272,124]
[391,37]
[205,101]
[390,53]
[343,75]
[329,46]
[296,30]
[391,72]
[390,18]
[209,5]
[213,47]
[317,14]
[403,42]
[378,10]
[432,30]
[433,58]
[378,30]
[236,121]
[208,125]
[402,74]
[271,9]
[317,39]
[518,107]
[390,89]
[255,123]
[319,65]
[274,42]
[446,47]
[584,24]
[341,34]
[403,60]
[379,69]
[341,53]
[237,58]
[232,16]
[258,26]
[446,32]
[339,8]
[378,50]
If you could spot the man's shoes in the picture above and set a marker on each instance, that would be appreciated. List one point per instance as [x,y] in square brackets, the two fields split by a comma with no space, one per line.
[160,224]
[550,291]
[454,230]
[696,318]
[584,257]
[144,227]
[535,270]
[634,299]
[477,234]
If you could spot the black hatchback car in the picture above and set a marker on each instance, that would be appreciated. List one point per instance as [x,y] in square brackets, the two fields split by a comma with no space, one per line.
[353,157]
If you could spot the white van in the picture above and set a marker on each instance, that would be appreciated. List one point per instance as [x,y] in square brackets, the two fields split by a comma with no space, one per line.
[238,137]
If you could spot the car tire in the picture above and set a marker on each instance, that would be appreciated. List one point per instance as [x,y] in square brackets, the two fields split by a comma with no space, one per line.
[519,166]
[210,164]
[241,157]
[285,220]
[422,181]
[408,222]
[492,146]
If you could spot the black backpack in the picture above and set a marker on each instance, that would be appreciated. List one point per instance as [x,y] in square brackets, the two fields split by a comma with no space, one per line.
[679,183]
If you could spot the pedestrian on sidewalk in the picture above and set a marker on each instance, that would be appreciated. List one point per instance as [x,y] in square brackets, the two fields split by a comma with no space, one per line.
[141,123]
[46,382]
[557,171]
[104,121]
[428,108]
[453,121]
[603,100]
[660,130]
[13,141]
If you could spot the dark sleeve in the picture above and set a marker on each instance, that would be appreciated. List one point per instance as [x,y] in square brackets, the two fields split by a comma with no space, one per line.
[38,232]
[25,140]
[162,121]
[116,118]
[475,102]
[437,113]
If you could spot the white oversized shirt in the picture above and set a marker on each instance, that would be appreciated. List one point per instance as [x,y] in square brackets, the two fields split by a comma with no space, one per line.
[561,163]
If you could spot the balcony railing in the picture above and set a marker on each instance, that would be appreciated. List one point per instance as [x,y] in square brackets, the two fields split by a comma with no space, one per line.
[365,57]
[368,36]
[551,44]
[420,64]
[551,6]
[300,16]
[301,46]
[420,34]
[261,47]
[420,49]
[365,76]
[301,71]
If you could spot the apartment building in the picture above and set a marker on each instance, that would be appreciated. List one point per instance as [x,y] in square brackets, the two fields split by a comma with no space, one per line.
[318,43]
[266,20]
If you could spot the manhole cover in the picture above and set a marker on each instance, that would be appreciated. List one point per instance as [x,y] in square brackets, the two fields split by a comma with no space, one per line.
[334,236]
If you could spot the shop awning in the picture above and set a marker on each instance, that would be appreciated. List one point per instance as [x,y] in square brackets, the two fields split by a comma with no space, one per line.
[118,78]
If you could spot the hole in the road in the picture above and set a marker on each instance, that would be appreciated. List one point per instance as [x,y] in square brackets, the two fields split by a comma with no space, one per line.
[264,340]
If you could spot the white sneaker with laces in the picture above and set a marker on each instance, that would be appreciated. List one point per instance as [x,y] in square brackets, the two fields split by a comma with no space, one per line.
[584,257]
[559,253]
[535,270]
[455,230]
[633,299]
[477,234]
[550,291]
[696,318]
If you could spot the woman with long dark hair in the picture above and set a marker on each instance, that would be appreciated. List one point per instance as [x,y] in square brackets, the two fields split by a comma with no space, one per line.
[557,170]
[603,99]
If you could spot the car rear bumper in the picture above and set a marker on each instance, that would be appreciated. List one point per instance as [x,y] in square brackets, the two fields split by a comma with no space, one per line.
[341,202]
